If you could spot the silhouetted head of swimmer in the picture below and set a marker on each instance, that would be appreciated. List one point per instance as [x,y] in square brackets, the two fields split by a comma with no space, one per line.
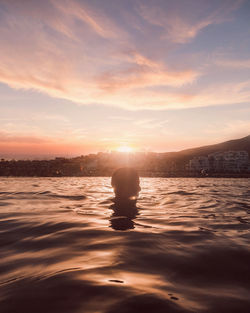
[126,184]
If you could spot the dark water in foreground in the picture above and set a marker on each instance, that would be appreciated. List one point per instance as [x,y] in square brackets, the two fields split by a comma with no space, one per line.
[185,250]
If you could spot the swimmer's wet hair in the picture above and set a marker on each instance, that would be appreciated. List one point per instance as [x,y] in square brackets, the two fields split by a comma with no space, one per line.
[126,183]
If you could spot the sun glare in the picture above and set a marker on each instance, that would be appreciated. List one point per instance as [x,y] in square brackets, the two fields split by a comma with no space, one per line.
[126,149]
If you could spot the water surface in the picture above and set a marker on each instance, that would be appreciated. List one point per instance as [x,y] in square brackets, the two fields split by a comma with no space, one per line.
[65,248]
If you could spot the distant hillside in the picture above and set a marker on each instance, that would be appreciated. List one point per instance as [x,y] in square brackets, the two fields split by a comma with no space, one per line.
[185,155]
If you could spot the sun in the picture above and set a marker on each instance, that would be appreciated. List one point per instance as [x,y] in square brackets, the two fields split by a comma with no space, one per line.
[124,148]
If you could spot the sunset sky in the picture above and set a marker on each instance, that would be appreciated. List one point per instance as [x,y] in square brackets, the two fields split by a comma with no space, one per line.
[80,76]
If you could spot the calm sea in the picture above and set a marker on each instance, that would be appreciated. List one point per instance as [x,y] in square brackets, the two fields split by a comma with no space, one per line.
[65,248]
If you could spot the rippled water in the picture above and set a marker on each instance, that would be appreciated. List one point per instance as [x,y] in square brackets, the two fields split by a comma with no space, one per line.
[65,248]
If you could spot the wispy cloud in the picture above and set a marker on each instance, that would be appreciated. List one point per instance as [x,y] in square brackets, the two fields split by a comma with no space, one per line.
[83,52]
[91,17]
[212,95]
[151,123]
[231,129]
[233,63]
[181,21]
[143,72]
[10,138]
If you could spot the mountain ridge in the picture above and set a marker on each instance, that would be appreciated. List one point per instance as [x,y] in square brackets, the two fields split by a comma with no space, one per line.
[234,144]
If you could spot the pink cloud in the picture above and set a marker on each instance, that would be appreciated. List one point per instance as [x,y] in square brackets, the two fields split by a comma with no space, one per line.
[94,18]
[143,72]
[17,139]
[182,21]
[78,51]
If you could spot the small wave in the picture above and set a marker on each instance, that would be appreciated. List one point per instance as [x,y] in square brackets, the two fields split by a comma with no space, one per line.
[182,192]
[242,220]
[5,203]
[69,197]
[116,281]
[45,194]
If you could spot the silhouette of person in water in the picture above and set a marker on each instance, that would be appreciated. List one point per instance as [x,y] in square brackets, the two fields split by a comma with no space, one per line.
[126,184]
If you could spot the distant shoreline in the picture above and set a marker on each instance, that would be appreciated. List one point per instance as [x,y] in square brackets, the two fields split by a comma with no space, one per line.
[226,160]
[143,176]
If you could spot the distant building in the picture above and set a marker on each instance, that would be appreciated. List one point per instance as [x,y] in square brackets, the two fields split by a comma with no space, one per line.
[229,161]
[199,164]
[91,165]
